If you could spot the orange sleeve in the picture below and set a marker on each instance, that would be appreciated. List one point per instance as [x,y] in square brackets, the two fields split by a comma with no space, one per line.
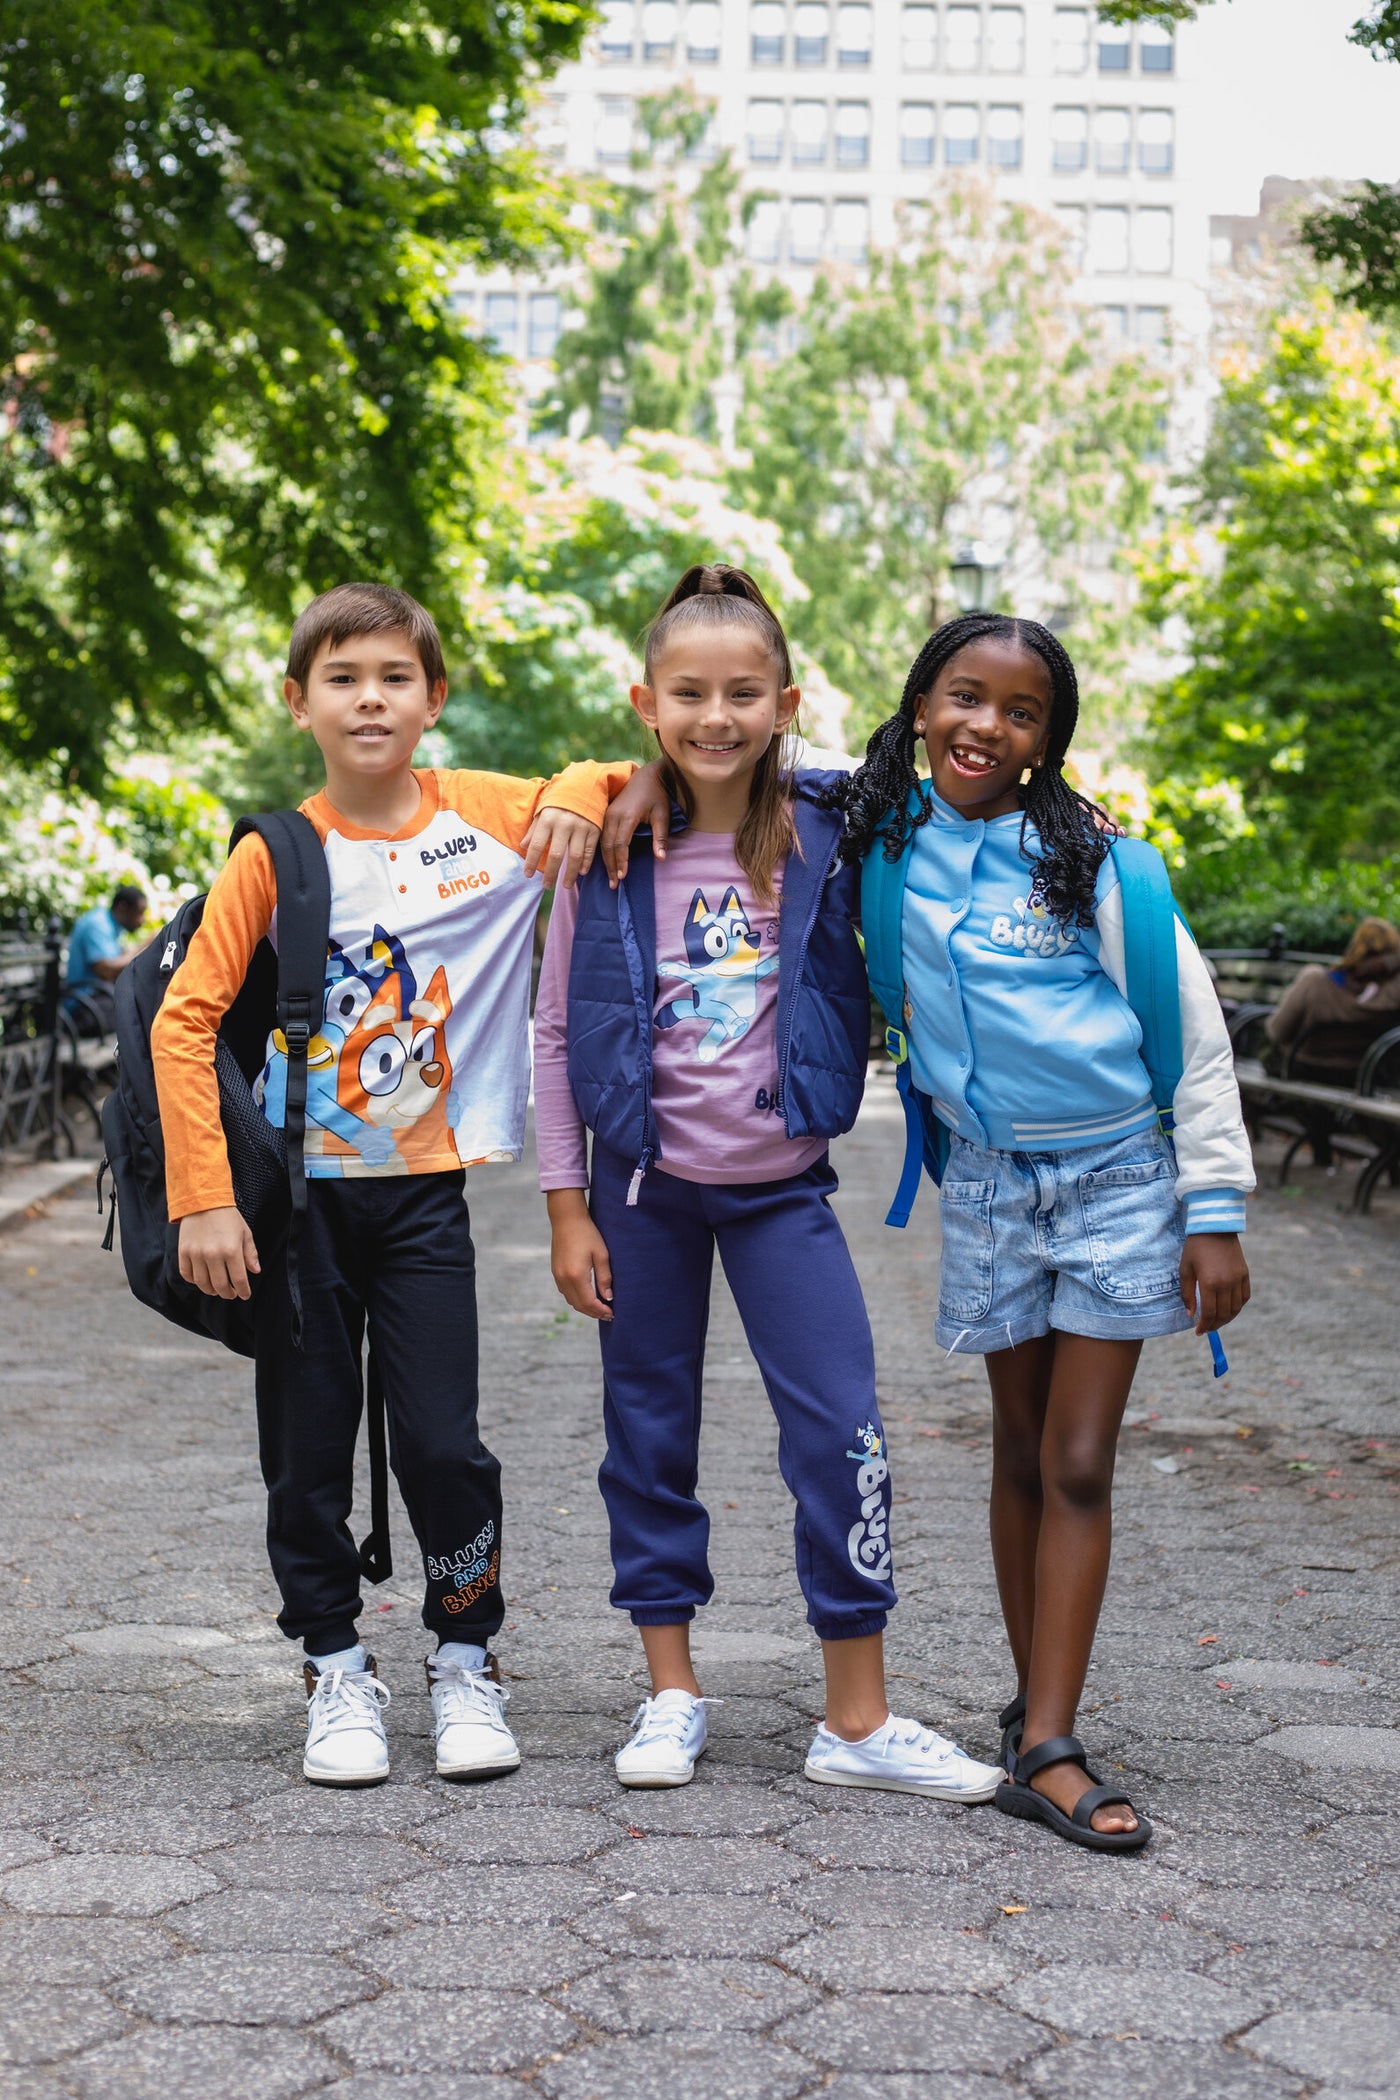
[237,915]
[507,807]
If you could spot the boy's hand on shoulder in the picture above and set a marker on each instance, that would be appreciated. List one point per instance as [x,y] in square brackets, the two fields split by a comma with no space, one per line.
[561,846]
[644,800]
[1213,1264]
[217,1254]
[579,1255]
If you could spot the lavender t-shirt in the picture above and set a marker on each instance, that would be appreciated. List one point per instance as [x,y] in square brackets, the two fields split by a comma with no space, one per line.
[714,1029]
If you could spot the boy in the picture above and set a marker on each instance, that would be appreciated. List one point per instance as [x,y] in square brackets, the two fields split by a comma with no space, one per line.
[420,1068]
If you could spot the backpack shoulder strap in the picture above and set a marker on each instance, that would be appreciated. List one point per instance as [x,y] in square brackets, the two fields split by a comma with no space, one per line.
[303,934]
[1149,959]
[882,884]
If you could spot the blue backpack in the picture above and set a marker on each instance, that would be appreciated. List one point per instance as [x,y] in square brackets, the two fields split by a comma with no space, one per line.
[1150,913]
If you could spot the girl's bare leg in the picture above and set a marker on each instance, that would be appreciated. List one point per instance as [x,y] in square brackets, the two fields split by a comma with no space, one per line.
[855,1686]
[667,1650]
[1020,1382]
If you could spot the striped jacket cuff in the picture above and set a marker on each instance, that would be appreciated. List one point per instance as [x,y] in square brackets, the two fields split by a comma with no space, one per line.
[1215,1210]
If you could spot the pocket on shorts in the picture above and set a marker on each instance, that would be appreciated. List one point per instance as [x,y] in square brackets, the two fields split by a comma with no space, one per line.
[965,1267]
[1130,1217]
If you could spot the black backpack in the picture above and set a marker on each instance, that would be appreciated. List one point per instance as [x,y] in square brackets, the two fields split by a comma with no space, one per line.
[285,988]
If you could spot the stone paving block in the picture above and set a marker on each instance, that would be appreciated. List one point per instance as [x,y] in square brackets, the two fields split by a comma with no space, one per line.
[417,2030]
[243,1988]
[705,1808]
[525,1896]
[450,1957]
[696,1925]
[910,2085]
[852,1958]
[1368,1749]
[19,1847]
[419,2085]
[667,1865]
[97,1884]
[1087,1936]
[40,2023]
[221,1783]
[147,1640]
[680,2067]
[935,1843]
[1331,1977]
[371,1811]
[282,1920]
[1371,1841]
[349,1862]
[488,1832]
[1259,1919]
[894,1902]
[1153,2071]
[1219,1859]
[1160,2005]
[196,2063]
[176,1832]
[665,1997]
[879,2032]
[76,1950]
[1357,2047]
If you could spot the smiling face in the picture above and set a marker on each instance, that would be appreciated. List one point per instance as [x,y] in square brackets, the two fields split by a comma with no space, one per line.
[716,705]
[984,720]
[367,702]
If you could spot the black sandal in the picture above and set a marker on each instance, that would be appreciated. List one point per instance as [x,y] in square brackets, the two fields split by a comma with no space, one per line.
[1017,1797]
[1010,1721]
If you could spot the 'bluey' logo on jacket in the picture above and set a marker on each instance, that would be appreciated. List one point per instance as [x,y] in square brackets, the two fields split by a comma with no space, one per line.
[1029,928]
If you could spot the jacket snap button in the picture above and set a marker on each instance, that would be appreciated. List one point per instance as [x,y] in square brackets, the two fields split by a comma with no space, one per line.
[393,856]
[403,889]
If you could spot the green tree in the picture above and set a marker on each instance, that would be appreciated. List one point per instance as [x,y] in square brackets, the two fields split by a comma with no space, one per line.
[229,368]
[1278,748]
[953,391]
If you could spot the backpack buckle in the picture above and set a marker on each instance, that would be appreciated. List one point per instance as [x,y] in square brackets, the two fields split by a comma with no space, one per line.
[1166,1121]
[897,1044]
[298,1037]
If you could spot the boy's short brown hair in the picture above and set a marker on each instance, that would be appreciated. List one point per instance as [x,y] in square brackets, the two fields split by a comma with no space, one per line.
[362,608]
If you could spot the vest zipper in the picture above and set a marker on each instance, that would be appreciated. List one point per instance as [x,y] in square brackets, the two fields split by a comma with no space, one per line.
[634,1186]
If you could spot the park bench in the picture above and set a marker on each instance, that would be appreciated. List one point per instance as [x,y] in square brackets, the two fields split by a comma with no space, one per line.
[1360,1119]
[32,1117]
[87,1051]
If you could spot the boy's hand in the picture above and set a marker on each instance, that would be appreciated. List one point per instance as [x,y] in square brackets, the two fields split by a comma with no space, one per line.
[579,1255]
[1214,1264]
[644,800]
[217,1254]
[560,841]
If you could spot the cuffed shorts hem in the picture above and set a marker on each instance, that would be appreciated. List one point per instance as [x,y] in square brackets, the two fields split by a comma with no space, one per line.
[850,1629]
[1136,1326]
[660,1614]
[985,1337]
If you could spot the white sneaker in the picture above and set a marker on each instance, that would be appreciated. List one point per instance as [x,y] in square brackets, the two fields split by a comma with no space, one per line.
[668,1734]
[902,1758]
[473,1741]
[345,1740]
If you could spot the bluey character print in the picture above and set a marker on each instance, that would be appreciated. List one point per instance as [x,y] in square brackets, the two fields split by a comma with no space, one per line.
[724,963]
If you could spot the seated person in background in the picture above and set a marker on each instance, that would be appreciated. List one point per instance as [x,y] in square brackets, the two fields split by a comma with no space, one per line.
[99,950]
[1355,1003]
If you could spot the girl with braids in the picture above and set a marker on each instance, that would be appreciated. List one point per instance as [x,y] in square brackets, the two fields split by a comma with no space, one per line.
[1073,1228]
[708,1019]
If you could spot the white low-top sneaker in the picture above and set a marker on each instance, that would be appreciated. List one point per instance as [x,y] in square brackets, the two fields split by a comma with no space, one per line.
[345,1740]
[472,1739]
[903,1758]
[668,1734]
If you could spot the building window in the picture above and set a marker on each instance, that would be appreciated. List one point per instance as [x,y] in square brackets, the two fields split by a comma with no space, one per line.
[1115,323]
[1004,135]
[1006,39]
[1156,141]
[615,32]
[613,137]
[1069,140]
[811,24]
[1156,50]
[855,34]
[1108,239]
[658,28]
[1074,218]
[767,24]
[918,48]
[702,32]
[806,230]
[764,231]
[916,135]
[850,230]
[502,324]
[765,131]
[960,129]
[852,134]
[462,306]
[808,125]
[546,322]
[1152,239]
[551,130]
[962,34]
[1150,326]
[1115,47]
[706,146]
[1112,141]
[1071,39]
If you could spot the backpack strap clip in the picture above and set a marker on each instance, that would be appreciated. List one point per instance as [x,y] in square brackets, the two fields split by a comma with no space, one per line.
[897,1044]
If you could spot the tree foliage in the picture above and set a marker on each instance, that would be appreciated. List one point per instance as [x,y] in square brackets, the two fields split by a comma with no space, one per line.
[228,365]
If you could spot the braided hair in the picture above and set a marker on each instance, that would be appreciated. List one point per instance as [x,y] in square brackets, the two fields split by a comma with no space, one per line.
[876,798]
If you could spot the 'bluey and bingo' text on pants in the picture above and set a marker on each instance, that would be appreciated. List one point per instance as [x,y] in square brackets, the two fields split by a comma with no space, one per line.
[796,1288]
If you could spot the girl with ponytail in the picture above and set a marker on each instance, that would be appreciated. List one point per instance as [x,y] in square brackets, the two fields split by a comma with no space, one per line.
[1073,1227]
[707,1018]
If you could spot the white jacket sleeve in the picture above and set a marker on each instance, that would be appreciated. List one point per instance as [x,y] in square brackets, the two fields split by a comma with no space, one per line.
[1215,1169]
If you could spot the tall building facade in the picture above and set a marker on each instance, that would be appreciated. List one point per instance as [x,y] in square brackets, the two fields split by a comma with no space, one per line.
[842,112]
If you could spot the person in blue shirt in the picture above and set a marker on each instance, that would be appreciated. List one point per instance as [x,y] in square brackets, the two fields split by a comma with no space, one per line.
[99,948]
[1073,1227]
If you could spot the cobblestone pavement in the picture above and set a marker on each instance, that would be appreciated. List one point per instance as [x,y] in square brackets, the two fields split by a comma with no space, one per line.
[181,1915]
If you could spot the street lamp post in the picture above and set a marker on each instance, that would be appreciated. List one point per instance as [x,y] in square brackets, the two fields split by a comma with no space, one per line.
[974,570]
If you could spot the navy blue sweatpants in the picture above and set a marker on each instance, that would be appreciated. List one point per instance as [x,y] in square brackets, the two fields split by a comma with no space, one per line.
[796,1288]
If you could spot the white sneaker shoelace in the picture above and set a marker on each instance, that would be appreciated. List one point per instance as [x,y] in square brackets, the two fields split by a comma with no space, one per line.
[346,1699]
[925,1742]
[467,1695]
[667,1724]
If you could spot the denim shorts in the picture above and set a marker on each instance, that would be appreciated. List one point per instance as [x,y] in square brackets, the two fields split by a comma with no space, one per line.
[1080,1242]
